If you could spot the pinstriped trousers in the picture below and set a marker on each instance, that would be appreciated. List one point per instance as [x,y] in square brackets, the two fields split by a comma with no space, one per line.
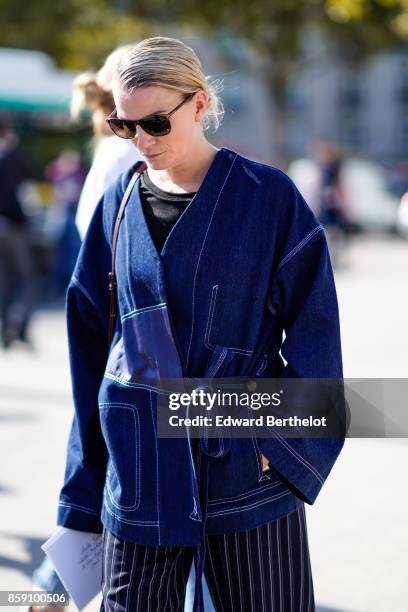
[266,569]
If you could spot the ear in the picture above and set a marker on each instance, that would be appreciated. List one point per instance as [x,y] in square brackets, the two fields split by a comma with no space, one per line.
[201,101]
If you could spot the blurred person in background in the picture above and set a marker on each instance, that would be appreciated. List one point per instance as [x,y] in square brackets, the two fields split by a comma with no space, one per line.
[331,198]
[67,174]
[16,268]
[398,182]
[399,186]
[92,93]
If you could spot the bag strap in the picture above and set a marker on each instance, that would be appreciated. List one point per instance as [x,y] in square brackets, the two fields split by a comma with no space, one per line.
[112,279]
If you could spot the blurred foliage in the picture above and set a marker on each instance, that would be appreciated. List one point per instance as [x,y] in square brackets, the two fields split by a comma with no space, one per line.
[79,35]
[76,34]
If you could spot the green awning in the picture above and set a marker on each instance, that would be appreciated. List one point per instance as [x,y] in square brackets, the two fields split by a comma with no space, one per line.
[34,104]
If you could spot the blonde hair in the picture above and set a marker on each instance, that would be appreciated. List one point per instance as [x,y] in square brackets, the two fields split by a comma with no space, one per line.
[170,63]
[92,91]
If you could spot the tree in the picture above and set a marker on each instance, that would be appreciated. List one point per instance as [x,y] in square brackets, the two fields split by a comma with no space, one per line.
[80,34]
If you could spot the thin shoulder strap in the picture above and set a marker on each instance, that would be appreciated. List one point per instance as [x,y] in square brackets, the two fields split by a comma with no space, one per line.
[112,279]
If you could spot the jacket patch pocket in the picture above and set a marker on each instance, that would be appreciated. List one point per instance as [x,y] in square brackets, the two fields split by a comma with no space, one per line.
[121,430]
[227,323]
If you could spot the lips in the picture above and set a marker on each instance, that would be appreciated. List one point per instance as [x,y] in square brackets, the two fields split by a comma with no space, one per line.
[152,156]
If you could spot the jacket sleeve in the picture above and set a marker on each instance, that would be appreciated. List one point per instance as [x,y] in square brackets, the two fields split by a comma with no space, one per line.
[87,307]
[303,297]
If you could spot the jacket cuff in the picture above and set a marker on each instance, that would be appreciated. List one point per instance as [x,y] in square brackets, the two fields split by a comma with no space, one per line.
[297,473]
[79,518]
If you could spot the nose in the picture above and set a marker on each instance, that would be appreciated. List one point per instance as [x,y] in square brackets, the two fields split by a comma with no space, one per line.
[143,139]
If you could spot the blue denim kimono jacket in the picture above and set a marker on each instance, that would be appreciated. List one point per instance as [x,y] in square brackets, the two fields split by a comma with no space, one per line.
[246,261]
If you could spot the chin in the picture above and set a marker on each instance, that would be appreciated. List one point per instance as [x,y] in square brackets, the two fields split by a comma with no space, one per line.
[158,164]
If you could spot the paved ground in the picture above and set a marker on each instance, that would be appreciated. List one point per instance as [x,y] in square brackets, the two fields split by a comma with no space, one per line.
[358,527]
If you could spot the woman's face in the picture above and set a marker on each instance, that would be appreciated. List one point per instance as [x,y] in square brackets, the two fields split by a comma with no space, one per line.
[175,148]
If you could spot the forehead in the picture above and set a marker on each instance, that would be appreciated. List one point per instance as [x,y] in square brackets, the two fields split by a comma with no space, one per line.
[144,100]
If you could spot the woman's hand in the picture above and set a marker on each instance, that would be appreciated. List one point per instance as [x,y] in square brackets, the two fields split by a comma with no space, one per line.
[265,463]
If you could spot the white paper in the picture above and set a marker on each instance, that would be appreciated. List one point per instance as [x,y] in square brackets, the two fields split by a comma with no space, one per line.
[77,558]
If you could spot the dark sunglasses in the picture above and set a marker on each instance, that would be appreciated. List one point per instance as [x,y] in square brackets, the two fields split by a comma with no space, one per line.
[155,125]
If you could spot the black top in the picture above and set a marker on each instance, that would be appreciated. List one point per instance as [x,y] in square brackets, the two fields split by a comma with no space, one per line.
[161,208]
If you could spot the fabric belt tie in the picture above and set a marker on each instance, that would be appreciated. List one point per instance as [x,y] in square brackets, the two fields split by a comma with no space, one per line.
[208,448]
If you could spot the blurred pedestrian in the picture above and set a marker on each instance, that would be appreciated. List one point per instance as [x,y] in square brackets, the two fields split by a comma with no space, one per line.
[67,174]
[16,261]
[332,201]
[92,93]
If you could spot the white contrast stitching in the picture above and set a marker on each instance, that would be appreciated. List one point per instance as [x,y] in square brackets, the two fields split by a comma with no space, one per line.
[250,493]
[249,506]
[256,451]
[211,311]
[125,383]
[201,252]
[78,507]
[218,363]
[135,414]
[128,521]
[141,310]
[157,463]
[301,459]
[263,365]
[299,246]
[84,291]
[209,323]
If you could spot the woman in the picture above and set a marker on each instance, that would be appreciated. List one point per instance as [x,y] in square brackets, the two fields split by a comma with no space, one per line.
[205,287]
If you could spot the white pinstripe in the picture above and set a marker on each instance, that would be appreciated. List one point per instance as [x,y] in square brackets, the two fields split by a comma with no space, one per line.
[110,588]
[131,576]
[173,579]
[214,576]
[179,574]
[292,594]
[258,535]
[241,599]
[278,527]
[169,548]
[141,578]
[106,564]
[161,582]
[310,605]
[270,562]
[152,578]
[251,582]
[122,565]
[103,564]
[228,571]
[220,557]
[301,559]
